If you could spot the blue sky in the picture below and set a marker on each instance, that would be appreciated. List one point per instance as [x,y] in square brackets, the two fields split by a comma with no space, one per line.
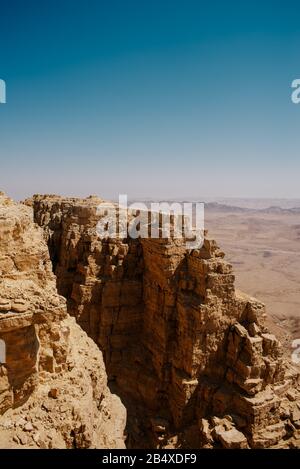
[150,98]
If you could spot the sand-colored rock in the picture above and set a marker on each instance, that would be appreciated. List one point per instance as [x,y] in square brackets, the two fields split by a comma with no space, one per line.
[180,344]
[44,350]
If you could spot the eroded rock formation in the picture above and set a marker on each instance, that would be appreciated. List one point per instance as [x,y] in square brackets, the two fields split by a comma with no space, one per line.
[190,356]
[53,384]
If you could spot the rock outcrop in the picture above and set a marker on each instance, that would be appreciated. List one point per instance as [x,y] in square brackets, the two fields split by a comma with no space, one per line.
[190,356]
[53,384]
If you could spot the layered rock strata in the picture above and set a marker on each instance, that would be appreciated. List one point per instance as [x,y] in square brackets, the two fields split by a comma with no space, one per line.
[53,384]
[190,356]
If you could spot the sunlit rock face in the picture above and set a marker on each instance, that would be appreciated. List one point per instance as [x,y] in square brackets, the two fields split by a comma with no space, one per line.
[189,355]
[49,368]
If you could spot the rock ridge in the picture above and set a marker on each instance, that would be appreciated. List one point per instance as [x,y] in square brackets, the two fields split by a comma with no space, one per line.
[189,355]
[53,384]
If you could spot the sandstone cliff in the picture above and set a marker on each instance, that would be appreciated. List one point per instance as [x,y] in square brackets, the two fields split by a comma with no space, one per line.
[190,357]
[53,384]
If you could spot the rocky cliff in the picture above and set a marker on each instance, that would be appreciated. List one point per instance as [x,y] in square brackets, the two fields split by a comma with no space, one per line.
[53,384]
[190,357]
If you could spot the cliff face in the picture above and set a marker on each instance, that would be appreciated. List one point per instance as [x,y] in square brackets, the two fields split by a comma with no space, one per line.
[190,356]
[53,384]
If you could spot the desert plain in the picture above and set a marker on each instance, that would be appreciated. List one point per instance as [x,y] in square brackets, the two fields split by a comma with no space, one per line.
[263,245]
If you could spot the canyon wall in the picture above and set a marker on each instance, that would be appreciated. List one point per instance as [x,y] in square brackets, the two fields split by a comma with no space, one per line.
[53,384]
[190,356]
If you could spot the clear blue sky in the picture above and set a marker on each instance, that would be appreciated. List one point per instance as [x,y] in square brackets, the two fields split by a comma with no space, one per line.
[153,98]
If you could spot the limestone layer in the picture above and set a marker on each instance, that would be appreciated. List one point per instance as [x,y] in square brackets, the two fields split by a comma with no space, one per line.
[189,355]
[53,384]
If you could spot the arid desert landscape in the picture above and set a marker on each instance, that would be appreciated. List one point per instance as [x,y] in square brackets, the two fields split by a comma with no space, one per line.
[263,244]
[149,231]
[115,342]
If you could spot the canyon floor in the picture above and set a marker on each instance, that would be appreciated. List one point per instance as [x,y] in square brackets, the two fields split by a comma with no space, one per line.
[263,247]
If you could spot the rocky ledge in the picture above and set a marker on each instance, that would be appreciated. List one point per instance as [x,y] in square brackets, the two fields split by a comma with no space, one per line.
[161,324]
[189,355]
[53,384]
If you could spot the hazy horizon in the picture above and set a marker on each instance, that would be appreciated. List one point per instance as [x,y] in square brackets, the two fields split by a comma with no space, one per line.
[241,202]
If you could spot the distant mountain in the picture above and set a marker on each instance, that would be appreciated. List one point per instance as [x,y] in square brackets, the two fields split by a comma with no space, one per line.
[232,208]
